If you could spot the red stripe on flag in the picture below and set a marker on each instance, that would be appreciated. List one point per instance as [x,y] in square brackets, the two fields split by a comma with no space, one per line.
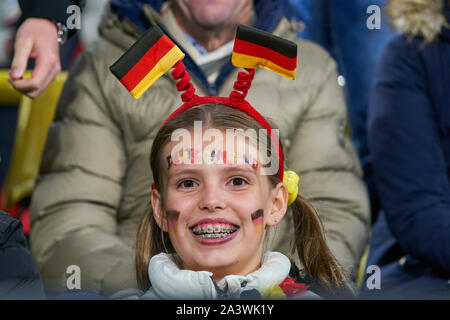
[255,50]
[147,62]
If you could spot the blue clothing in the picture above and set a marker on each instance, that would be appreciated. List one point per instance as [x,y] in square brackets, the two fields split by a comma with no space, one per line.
[340,27]
[409,139]
[19,275]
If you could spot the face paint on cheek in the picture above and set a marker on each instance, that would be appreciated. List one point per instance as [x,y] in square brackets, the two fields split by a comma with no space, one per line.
[172,219]
[258,220]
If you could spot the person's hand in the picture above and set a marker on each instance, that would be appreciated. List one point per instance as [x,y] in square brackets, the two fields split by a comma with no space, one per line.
[36,38]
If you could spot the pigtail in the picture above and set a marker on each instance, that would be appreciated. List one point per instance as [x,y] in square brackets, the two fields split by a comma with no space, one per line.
[150,241]
[143,244]
[312,249]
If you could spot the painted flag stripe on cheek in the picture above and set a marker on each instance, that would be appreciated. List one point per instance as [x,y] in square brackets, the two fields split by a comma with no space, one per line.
[172,219]
[147,60]
[258,220]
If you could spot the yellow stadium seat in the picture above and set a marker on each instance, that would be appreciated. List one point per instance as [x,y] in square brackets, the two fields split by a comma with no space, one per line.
[34,119]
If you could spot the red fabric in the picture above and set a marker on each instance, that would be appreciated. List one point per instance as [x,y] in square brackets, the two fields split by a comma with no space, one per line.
[78,50]
[15,211]
[291,288]
[25,219]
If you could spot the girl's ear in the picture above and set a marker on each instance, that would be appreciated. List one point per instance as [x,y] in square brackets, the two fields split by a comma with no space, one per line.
[279,204]
[157,210]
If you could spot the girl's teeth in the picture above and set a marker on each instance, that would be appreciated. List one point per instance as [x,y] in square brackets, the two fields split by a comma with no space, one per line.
[213,230]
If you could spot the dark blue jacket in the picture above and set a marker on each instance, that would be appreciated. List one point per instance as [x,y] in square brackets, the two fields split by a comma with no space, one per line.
[19,275]
[409,139]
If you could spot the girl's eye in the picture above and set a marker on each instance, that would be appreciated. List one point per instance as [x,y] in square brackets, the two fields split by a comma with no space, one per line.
[238,181]
[187,184]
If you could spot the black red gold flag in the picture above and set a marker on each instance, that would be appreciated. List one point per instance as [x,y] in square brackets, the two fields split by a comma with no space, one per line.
[145,61]
[255,48]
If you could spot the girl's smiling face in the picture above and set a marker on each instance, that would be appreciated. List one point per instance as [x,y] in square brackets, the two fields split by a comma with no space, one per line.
[216,214]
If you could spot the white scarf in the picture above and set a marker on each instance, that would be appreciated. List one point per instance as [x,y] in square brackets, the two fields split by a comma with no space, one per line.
[170,282]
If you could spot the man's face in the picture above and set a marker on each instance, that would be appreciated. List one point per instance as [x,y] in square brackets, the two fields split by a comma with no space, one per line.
[215,13]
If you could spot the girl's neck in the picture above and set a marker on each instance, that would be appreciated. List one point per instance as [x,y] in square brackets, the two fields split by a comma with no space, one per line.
[220,274]
[238,268]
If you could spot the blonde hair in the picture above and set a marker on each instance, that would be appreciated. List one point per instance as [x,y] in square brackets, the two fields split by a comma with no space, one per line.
[423,18]
[309,242]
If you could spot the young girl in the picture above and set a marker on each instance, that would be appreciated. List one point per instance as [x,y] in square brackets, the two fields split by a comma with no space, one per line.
[204,234]
[213,204]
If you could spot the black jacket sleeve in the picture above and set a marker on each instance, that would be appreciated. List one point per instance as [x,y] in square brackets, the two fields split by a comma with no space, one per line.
[50,9]
[19,275]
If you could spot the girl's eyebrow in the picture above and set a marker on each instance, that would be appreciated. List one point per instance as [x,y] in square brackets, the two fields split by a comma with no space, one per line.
[191,169]
[244,167]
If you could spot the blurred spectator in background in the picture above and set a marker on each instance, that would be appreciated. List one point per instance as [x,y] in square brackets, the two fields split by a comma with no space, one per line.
[29,23]
[37,38]
[9,14]
[19,275]
[92,15]
[95,184]
[341,27]
[409,138]
[40,32]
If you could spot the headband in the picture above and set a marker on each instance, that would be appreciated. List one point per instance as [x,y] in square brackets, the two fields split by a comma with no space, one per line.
[154,54]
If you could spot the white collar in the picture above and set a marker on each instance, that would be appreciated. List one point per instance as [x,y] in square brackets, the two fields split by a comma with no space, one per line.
[170,282]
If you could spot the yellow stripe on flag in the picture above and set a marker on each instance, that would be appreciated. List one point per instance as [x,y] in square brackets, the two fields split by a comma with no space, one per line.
[160,68]
[250,62]
[259,228]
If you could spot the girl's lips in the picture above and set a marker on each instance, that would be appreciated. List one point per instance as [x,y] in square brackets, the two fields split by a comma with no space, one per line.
[213,221]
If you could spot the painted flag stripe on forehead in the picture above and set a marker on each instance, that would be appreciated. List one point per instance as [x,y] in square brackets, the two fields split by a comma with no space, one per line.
[145,61]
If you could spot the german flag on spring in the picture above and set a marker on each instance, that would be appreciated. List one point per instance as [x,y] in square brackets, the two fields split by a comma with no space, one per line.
[255,48]
[145,61]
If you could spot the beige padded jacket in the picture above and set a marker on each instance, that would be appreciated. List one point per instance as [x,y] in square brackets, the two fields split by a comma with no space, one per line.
[95,177]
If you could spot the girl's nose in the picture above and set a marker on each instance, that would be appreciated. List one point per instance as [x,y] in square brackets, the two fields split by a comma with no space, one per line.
[212,199]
